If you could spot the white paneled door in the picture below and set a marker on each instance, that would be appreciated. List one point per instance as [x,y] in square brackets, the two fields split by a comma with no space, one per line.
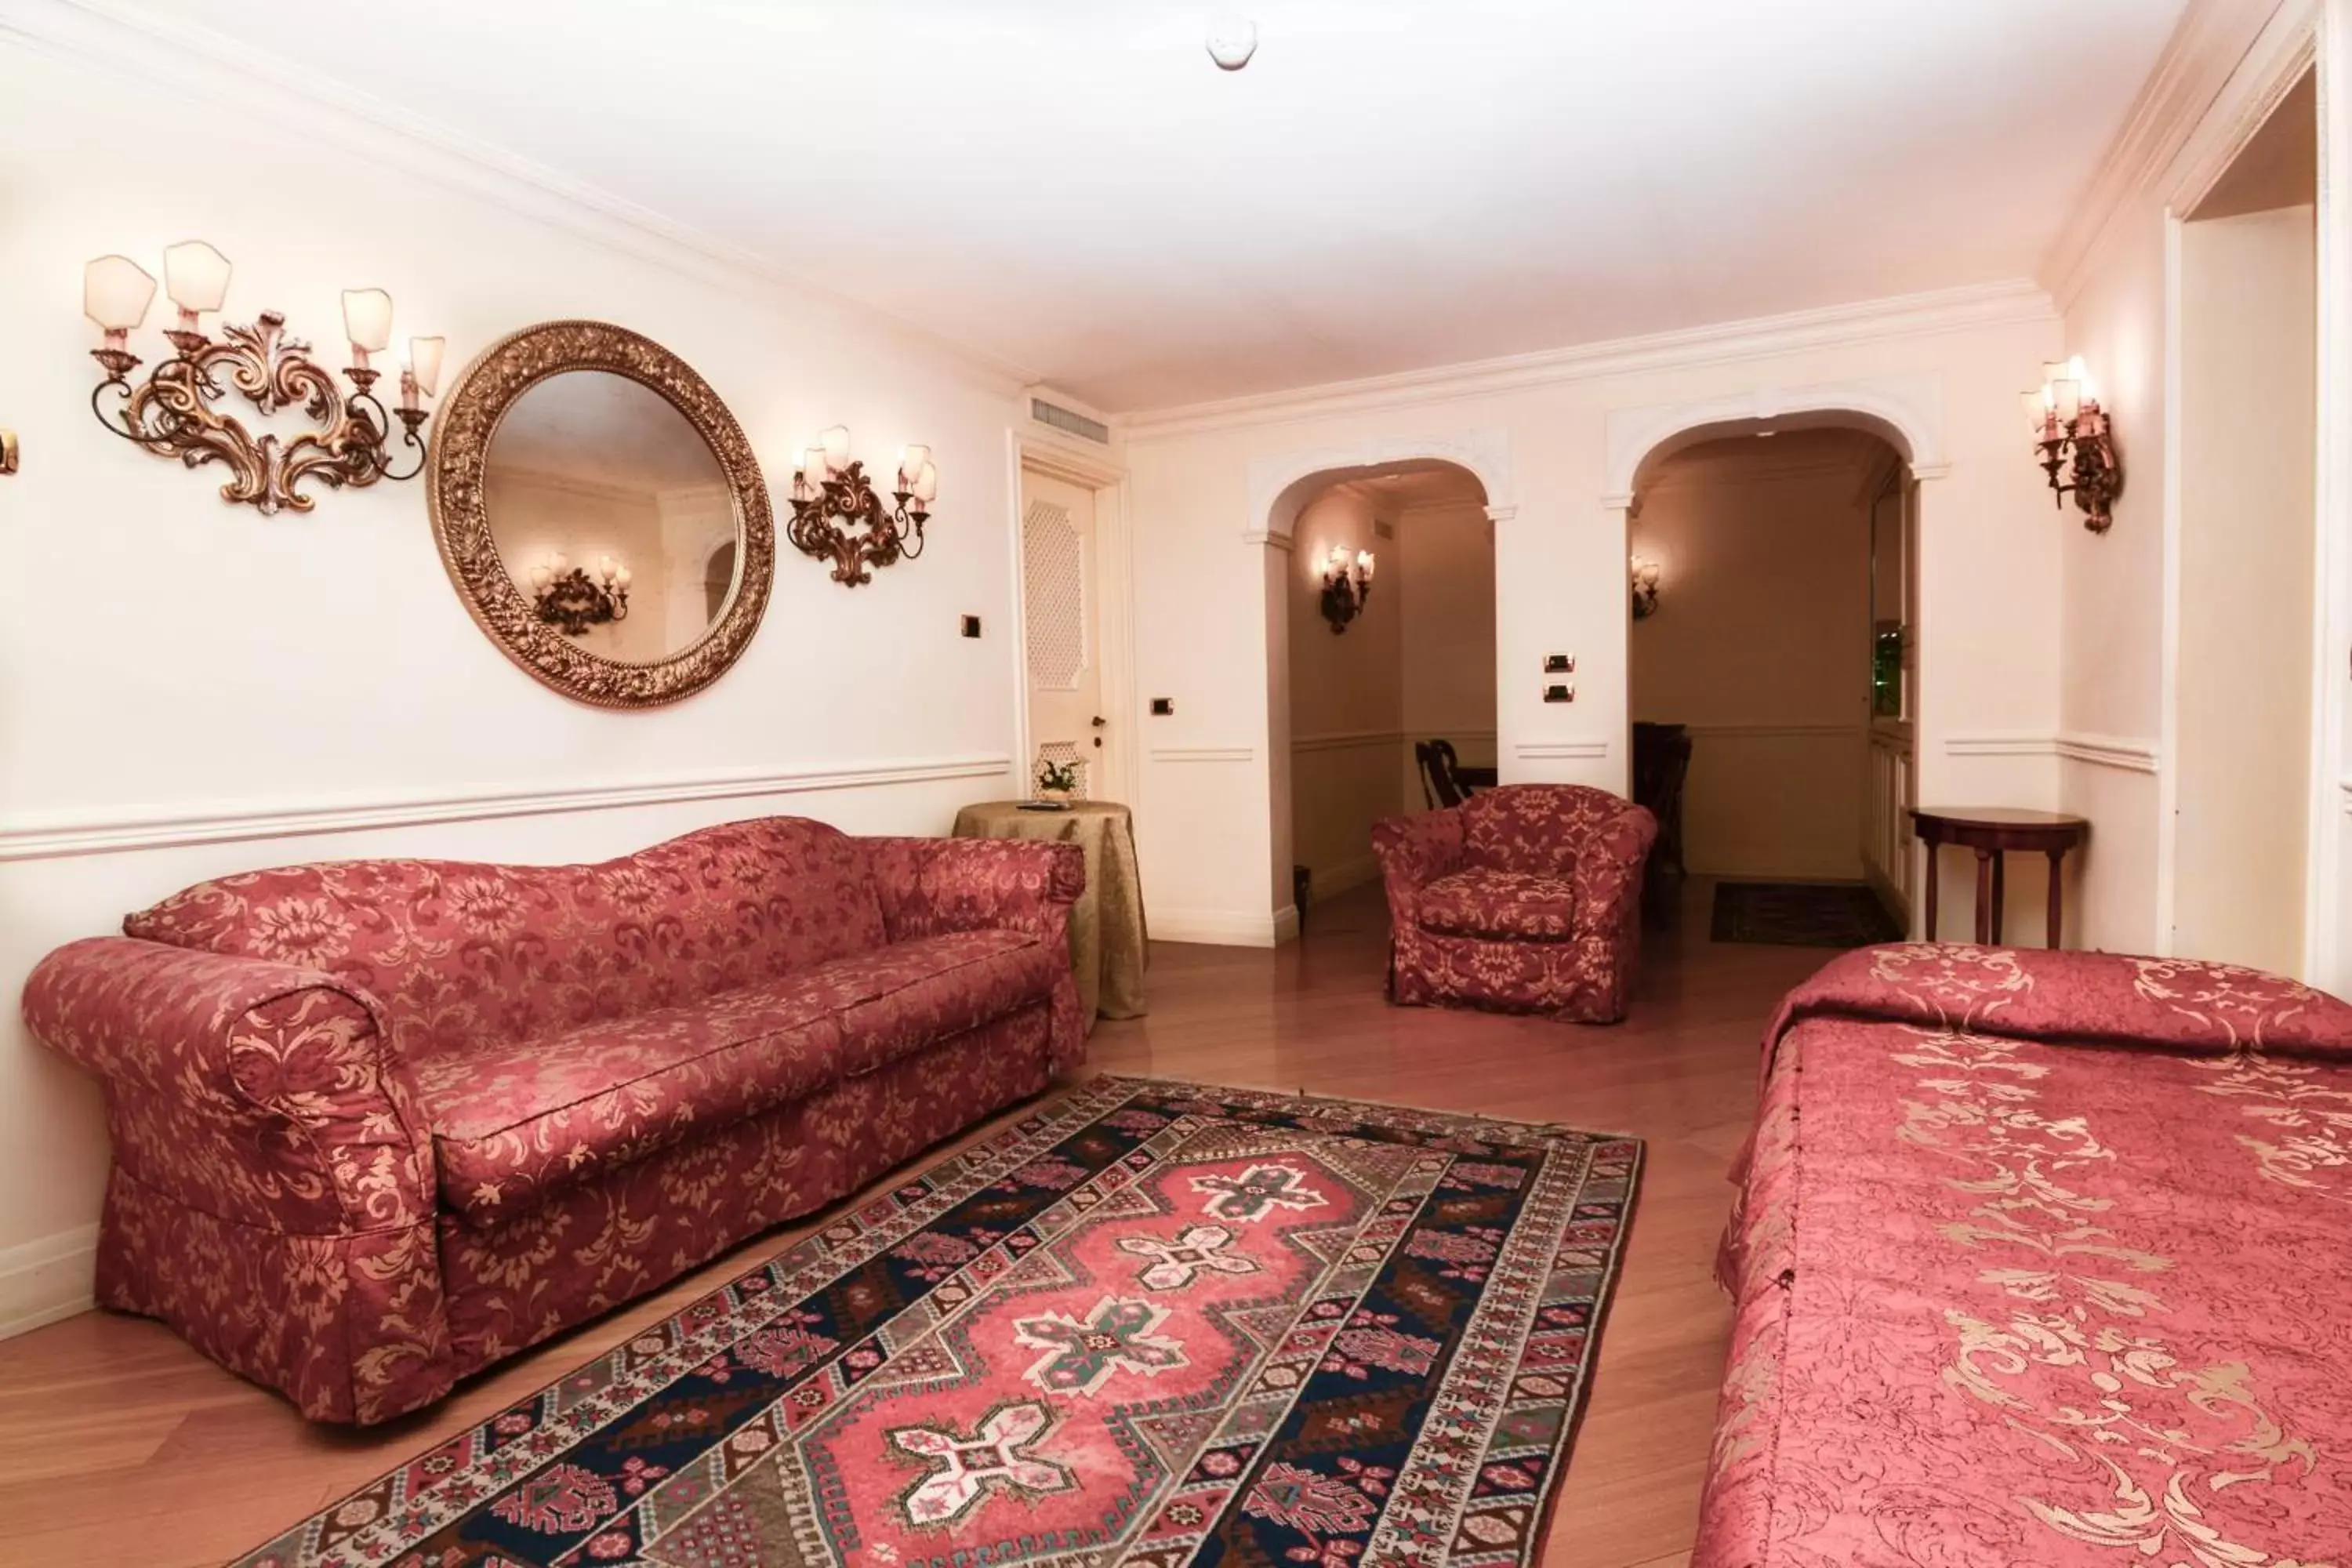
[1061,609]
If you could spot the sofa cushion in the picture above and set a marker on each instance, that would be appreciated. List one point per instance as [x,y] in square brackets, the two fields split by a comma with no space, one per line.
[479,956]
[1504,906]
[515,1124]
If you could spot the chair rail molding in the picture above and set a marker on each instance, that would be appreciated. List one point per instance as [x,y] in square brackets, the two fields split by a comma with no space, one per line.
[1204,753]
[2121,753]
[1346,740]
[1279,487]
[132,829]
[1588,748]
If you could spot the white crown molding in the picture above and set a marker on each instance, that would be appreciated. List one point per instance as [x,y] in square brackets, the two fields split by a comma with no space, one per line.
[46,1279]
[168,53]
[2120,753]
[1762,337]
[2206,51]
[1347,740]
[1204,753]
[52,837]
[1591,749]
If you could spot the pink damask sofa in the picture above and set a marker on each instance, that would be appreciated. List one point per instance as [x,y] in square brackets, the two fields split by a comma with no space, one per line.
[379,1123]
[1526,899]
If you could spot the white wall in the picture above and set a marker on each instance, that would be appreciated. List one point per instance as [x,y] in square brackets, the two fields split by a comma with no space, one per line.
[1536,431]
[1761,647]
[1347,697]
[190,686]
[1448,604]
[2248,442]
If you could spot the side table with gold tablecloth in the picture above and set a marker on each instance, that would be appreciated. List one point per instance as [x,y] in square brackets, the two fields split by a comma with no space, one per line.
[1107,935]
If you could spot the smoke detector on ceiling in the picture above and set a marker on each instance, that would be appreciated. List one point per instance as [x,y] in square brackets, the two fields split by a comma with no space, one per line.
[1232,41]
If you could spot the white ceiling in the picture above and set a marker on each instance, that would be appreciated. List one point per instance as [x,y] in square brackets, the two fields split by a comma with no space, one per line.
[1072,187]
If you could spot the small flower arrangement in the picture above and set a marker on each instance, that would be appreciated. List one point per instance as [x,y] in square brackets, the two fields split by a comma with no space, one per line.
[1056,780]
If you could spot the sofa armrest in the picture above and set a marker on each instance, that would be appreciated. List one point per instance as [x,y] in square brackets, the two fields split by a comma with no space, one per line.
[260,1093]
[1414,851]
[1608,874]
[930,886]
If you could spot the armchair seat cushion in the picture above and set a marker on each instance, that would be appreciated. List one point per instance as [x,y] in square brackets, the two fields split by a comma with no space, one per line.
[1499,906]
[515,1124]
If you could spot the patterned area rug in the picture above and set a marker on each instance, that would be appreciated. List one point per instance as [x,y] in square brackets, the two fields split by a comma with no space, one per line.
[1801,914]
[1153,1323]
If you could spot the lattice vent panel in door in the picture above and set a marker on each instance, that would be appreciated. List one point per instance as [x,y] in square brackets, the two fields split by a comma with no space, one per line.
[1054,595]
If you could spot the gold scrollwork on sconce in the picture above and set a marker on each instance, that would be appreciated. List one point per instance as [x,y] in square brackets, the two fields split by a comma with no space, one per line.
[2074,436]
[171,411]
[7,451]
[838,516]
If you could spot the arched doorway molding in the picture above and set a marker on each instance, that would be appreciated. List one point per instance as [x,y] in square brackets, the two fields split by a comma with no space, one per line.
[1281,485]
[1906,412]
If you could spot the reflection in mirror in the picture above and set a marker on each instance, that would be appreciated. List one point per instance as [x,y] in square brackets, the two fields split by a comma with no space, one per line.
[610,513]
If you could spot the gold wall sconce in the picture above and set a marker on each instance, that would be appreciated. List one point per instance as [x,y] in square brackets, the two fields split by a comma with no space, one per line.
[1647,577]
[171,411]
[565,597]
[8,452]
[838,517]
[1346,585]
[2072,436]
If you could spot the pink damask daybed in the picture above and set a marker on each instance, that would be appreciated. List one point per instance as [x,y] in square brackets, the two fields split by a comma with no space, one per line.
[2042,1259]
[379,1123]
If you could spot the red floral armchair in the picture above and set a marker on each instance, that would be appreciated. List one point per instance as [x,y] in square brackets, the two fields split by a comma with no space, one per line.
[1525,899]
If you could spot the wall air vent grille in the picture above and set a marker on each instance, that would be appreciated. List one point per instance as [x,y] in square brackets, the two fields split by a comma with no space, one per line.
[1061,418]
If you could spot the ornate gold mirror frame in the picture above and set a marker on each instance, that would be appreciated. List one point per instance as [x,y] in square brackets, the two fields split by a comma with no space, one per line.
[461,524]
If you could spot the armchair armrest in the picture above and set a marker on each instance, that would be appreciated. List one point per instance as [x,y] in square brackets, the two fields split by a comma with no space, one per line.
[929,886]
[1414,851]
[1608,874]
[273,1195]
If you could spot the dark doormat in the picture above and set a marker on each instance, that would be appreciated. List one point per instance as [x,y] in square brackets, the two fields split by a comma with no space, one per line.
[1801,914]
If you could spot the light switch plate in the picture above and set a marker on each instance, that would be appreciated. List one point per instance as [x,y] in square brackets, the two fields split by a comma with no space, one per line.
[1560,664]
[971,625]
[1561,692]
[1163,707]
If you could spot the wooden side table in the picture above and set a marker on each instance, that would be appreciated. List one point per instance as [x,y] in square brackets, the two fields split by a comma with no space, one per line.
[1991,831]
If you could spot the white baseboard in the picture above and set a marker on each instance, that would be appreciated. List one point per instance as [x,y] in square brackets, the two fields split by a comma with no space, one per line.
[1218,928]
[1286,925]
[45,1280]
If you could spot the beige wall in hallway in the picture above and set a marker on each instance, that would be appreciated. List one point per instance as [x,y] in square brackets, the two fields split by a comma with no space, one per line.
[2249,426]
[1761,644]
[1448,600]
[1347,697]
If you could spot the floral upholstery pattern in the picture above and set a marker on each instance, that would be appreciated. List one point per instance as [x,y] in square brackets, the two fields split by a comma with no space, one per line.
[2039,1257]
[1525,899]
[1500,905]
[335,1089]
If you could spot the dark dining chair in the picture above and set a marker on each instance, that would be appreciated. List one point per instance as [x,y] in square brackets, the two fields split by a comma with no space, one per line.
[1442,785]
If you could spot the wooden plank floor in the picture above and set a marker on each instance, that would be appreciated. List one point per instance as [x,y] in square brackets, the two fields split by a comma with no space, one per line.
[120,1448]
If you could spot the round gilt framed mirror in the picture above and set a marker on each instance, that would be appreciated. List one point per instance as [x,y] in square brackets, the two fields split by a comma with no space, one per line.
[601,513]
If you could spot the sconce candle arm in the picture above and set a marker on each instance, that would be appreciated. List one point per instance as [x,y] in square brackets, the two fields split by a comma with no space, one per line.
[841,519]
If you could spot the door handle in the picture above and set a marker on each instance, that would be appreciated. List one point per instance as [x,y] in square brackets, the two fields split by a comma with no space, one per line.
[1100,721]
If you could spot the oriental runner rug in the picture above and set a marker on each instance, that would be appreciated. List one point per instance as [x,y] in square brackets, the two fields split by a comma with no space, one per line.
[1152,1324]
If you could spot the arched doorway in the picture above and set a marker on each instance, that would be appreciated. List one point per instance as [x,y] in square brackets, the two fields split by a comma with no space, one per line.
[1772,712]
[1458,477]
[1895,762]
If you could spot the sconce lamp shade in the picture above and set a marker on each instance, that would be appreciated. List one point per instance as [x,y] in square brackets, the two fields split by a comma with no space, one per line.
[116,292]
[367,319]
[927,484]
[2037,408]
[836,443]
[911,460]
[812,464]
[425,362]
[2067,398]
[1364,563]
[195,276]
